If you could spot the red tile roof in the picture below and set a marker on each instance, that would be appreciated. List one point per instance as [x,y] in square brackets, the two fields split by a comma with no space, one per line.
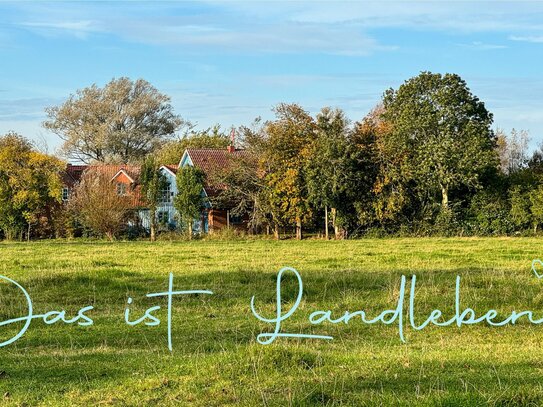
[73,174]
[212,161]
[172,167]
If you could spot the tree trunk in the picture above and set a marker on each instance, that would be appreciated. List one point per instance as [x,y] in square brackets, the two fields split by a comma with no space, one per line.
[337,231]
[444,197]
[276,232]
[152,216]
[298,229]
[189,230]
[326,222]
[28,233]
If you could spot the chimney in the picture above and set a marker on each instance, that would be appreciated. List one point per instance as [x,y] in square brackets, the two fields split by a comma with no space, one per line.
[231,149]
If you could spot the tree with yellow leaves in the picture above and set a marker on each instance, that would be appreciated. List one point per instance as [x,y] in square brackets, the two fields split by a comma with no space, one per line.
[29,182]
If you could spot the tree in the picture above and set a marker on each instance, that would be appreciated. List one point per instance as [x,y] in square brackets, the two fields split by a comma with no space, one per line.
[386,196]
[29,183]
[153,183]
[441,132]
[512,150]
[287,145]
[98,206]
[527,206]
[189,201]
[246,189]
[332,169]
[123,121]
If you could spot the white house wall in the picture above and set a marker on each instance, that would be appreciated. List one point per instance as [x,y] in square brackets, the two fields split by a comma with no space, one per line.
[165,209]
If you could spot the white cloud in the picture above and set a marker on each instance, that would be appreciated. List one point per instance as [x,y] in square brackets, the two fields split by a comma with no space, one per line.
[464,16]
[226,28]
[343,28]
[481,46]
[534,39]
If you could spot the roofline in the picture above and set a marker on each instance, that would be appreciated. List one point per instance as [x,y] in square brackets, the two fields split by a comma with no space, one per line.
[167,169]
[125,173]
[183,157]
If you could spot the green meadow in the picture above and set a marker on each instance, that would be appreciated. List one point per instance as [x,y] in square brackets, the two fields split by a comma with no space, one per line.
[216,359]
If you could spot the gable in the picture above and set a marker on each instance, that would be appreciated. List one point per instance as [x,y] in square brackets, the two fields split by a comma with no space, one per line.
[123,177]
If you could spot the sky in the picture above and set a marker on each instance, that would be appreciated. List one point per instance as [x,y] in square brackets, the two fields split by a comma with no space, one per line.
[229,62]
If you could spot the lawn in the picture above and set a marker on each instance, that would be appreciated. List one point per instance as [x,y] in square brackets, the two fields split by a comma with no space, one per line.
[216,359]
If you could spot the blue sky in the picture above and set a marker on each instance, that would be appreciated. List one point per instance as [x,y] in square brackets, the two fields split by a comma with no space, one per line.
[228,62]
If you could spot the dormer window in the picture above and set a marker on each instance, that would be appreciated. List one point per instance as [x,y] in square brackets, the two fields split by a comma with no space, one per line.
[121,189]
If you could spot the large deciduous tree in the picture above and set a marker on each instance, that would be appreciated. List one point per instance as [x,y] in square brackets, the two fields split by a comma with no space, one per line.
[287,147]
[335,177]
[440,133]
[29,183]
[123,121]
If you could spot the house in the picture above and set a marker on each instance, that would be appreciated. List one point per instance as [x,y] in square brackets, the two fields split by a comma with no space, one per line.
[126,180]
[212,161]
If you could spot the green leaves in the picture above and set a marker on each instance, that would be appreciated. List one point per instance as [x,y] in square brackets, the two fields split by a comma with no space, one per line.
[190,199]
[442,131]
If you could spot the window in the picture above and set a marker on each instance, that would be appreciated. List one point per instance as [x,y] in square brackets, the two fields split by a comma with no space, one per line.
[121,188]
[166,194]
[65,194]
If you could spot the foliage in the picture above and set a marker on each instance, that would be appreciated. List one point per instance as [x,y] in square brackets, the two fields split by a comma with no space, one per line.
[190,200]
[99,207]
[29,184]
[513,150]
[153,183]
[440,133]
[288,141]
[121,122]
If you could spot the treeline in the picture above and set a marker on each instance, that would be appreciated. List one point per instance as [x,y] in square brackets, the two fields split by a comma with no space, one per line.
[424,161]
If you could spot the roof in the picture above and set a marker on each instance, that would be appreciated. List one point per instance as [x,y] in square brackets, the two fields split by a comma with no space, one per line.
[73,174]
[212,161]
[110,170]
[171,167]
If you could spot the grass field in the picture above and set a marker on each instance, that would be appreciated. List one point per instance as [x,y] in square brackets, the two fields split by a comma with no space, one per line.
[216,359]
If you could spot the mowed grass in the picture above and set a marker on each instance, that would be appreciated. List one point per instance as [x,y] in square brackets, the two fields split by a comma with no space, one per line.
[216,359]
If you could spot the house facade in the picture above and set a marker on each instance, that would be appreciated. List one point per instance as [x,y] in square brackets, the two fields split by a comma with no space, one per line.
[127,182]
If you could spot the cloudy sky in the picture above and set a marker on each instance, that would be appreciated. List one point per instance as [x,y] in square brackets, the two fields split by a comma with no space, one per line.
[228,62]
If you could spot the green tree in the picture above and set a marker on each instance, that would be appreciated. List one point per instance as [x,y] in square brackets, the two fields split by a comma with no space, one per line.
[189,201]
[386,198]
[29,183]
[153,183]
[287,145]
[334,177]
[441,133]
[536,207]
[123,121]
